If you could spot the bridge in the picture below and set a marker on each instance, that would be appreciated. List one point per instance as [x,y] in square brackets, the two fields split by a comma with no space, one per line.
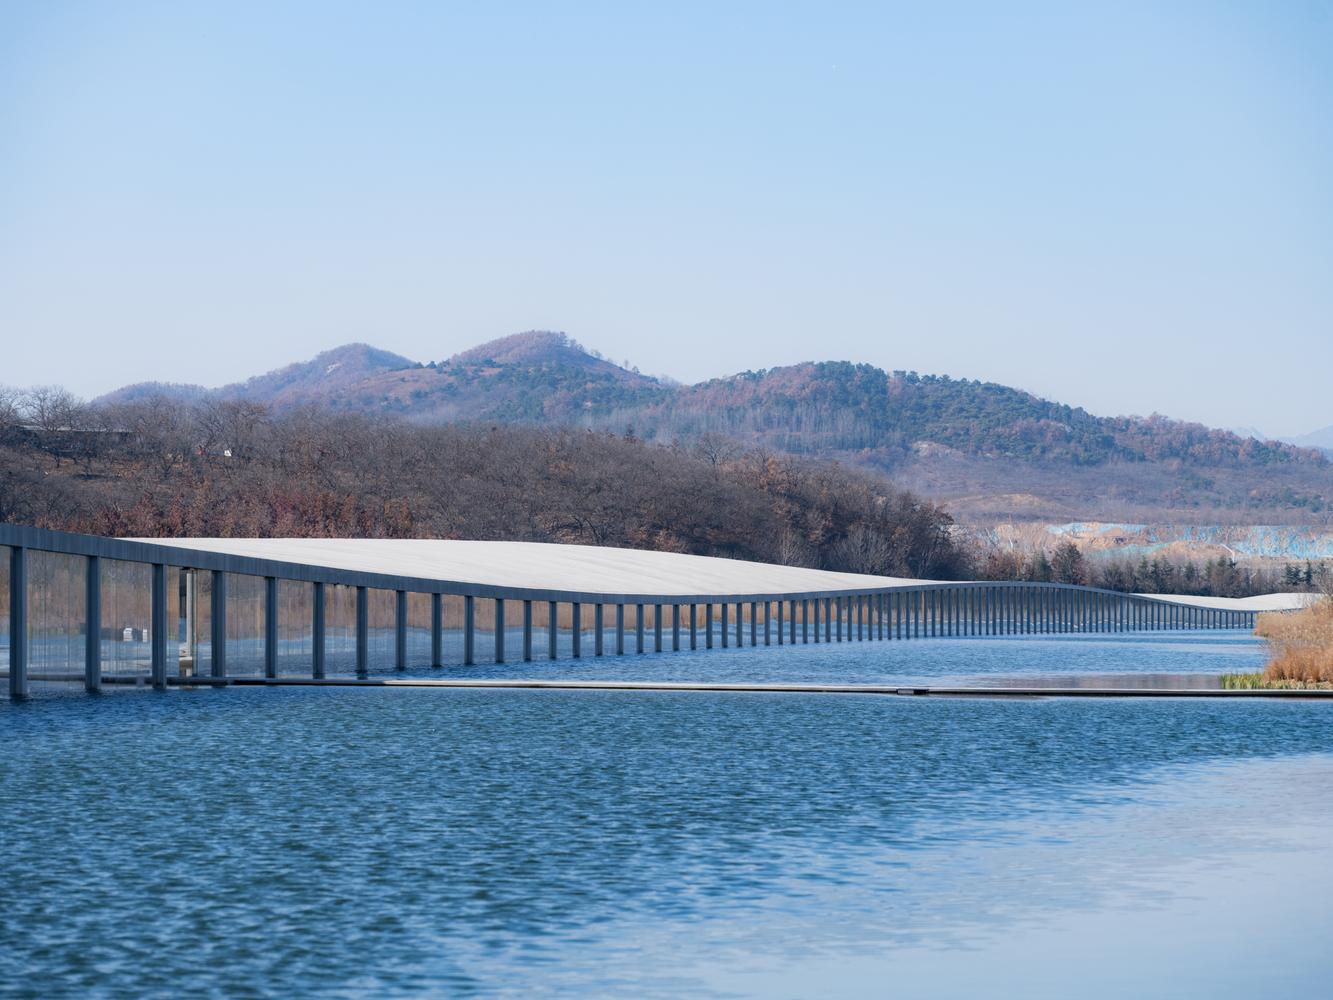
[97,611]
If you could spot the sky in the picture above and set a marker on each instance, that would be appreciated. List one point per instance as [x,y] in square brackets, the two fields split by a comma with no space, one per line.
[1124,206]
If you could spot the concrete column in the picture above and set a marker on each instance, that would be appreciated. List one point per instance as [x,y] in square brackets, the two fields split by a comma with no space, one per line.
[781,631]
[740,625]
[469,631]
[527,631]
[362,632]
[218,638]
[675,628]
[791,622]
[400,630]
[657,628]
[576,623]
[552,630]
[598,616]
[92,628]
[860,618]
[270,627]
[768,623]
[620,630]
[726,626]
[638,628]
[694,626]
[318,641]
[708,626]
[805,621]
[18,623]
[158,627]
[754,623]
[436,630]
[499,630]
[828,619]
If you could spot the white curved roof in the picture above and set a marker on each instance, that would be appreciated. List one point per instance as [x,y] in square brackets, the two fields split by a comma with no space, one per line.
[541,566]
[1261,602]
[588,568]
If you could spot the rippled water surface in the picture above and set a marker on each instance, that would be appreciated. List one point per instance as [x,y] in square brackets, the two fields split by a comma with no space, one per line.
[354,842]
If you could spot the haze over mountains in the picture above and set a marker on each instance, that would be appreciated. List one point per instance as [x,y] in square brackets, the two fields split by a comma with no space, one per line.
[990,451]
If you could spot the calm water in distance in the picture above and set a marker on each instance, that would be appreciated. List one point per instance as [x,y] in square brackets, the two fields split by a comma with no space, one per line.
[407,842]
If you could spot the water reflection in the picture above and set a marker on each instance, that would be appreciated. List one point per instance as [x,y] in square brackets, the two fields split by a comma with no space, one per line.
[408,841]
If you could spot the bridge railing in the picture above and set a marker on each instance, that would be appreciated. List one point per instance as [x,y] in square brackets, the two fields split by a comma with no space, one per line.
[80,609]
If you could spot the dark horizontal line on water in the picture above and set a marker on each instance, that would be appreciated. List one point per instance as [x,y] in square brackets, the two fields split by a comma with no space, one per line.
[758,688]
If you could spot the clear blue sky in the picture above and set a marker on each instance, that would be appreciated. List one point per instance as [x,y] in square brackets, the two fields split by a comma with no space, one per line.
[1126,206]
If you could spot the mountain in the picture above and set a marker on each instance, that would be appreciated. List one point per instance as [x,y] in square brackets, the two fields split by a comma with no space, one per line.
[991,451]
[326,378]
[1322,438]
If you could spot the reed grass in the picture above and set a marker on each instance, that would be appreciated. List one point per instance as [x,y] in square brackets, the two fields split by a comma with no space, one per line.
[1257,681]
[1301,648]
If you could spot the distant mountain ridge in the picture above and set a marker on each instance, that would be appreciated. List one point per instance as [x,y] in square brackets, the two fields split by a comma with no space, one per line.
[1322,438]
[989,449]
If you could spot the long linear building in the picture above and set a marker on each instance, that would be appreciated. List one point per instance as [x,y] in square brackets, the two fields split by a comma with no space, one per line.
[195,611]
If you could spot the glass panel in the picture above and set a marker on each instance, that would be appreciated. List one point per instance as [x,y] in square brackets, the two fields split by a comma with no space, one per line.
[199,624]
[587,630]
[296,624]
[453,629]
[245,625]
[381,618]
[55,619]
[483,649]
[541,630]
[418,630]
[127,593]
[339,630]
[191,660]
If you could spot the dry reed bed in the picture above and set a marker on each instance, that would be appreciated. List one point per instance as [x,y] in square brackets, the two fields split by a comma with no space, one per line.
[1301,645]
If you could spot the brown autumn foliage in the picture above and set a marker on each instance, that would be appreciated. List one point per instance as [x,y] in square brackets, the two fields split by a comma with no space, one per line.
[162,467]
[1301,643]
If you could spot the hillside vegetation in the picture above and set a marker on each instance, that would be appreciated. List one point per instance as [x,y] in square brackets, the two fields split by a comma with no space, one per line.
[991,451]
[165,467]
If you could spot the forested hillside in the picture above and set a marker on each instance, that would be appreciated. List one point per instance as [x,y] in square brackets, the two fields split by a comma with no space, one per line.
[991,451]
[219,468]
[171,467]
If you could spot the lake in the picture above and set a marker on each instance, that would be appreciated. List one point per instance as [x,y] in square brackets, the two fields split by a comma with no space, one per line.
[408,842]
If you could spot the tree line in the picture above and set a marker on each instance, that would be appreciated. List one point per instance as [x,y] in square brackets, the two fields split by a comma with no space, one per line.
[1220,576]
[171,467]
[164,467]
